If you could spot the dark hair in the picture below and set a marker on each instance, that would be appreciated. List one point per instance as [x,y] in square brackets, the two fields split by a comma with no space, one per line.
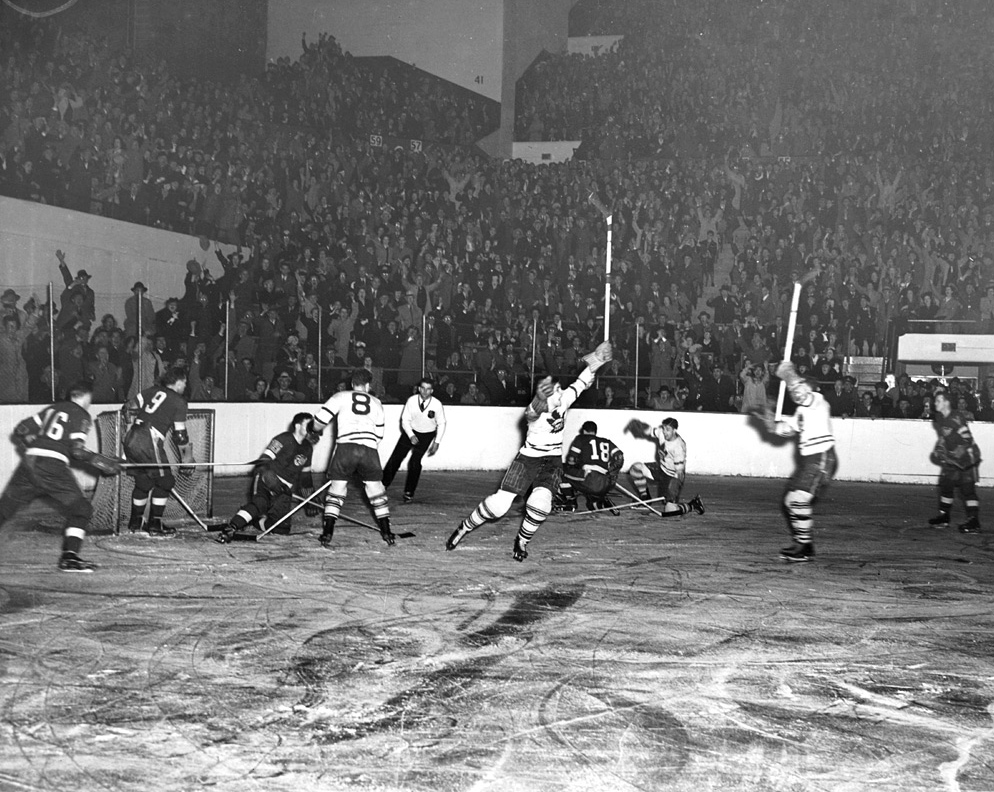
[671,422]
[304,418]
[80,388]
[589,427]
[361,377]
[173,375]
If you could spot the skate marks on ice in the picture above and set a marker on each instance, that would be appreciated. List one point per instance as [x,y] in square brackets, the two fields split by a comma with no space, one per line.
[456,718]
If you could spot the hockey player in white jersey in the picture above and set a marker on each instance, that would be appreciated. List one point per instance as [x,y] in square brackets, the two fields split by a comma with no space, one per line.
[538,466]
[359,422]
[812,422]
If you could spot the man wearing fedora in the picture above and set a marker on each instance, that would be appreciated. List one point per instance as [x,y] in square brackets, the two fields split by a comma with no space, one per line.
[8,306]
[138,300]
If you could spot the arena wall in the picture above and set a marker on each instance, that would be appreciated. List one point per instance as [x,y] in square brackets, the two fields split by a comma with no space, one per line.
[487,438]
[458,40]
[115,254]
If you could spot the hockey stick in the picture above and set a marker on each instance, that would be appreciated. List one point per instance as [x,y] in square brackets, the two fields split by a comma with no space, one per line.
[406,535]
[638,500]
[617,507]
[186,464]
[295,509]
[191,512]
[795,301]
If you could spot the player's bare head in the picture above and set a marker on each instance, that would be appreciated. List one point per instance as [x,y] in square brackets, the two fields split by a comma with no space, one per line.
[302,421]
[81,392]
[588,428]
[361,379]
[802,391]
[175,379]
[672,423]
[942,403]
[426,385]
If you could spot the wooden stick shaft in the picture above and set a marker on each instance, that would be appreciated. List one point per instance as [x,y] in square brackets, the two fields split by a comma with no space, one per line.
[297,508]
[638,500]
[191,512]
[788,345]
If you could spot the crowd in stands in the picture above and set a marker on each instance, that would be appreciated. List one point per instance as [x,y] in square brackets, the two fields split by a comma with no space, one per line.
[737,145]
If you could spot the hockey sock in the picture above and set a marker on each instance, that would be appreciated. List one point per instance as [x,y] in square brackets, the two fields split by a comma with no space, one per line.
[245,516]
[798,505]
[333,506]
[72,540]
[973,508]
[378,502]
[945,505]
[680,510]
[138,504]
[159,498]
[640,482]
[492,507]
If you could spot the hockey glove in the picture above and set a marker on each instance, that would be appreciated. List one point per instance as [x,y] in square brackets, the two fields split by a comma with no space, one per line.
[637,428]
[108,466]
[312,508]
[543,391]
[186,458]
[25,433]
[602,354]
[786,371]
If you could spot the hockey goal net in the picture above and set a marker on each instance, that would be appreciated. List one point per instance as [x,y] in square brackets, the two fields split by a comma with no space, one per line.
[111,499]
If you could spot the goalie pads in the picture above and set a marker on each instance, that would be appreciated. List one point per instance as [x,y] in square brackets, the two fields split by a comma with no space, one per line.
[602,354]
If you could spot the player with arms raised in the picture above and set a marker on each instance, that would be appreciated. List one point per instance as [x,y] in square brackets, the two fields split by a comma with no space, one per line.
[360,420]
[812,423]
[160,409]
[669,469]
[49,440]
[539,464]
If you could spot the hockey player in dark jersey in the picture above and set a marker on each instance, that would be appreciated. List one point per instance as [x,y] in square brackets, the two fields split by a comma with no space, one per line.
[591,468]
[959,457]
[281,469]
[160,410]
[50,441]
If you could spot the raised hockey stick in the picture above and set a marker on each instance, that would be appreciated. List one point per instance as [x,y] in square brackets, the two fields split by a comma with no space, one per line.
[406,535]
[795,301]
[638,500]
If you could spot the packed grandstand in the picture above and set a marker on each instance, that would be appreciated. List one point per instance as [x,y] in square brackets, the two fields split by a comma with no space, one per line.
[738,146]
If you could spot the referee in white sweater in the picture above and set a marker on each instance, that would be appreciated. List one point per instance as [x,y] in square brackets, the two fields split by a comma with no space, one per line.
[422,424]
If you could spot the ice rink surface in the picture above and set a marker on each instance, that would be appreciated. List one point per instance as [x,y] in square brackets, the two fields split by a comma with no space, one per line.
[626,653]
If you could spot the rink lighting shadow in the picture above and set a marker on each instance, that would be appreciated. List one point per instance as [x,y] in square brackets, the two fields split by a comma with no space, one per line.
[418,706]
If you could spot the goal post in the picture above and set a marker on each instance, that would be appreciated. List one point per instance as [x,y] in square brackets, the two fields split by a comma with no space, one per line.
[111,499]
